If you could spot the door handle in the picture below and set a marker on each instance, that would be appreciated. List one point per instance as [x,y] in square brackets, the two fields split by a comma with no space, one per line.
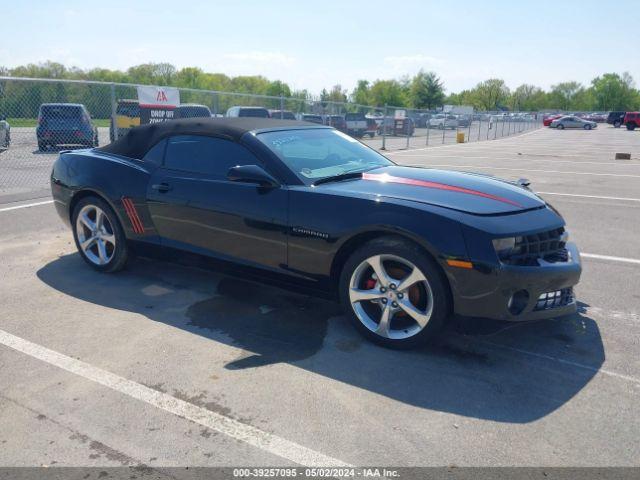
[161,187]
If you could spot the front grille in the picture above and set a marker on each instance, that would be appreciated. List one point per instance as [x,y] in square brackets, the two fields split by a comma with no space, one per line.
[548,245]
[555,299]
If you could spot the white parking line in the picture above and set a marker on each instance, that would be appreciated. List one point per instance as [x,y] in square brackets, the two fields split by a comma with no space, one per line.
[529,170]
[6,209]
[609,258]
[626,199]
[240,431]
[565,362]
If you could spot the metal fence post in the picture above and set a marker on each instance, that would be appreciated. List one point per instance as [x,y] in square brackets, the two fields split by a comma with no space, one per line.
[114,124]
[479,125]
[408,124]
[281,106]
[469,131]
[384,129]
[428,128]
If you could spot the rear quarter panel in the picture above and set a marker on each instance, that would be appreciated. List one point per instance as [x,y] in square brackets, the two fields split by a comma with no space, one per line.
[110,177]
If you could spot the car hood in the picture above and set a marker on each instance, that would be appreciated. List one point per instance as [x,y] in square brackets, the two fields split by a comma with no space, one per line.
[467,192]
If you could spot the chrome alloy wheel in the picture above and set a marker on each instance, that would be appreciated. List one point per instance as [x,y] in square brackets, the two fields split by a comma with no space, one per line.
[96,236]
[391,296]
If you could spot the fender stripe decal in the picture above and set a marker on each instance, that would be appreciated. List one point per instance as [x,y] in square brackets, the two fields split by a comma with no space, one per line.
[384,177]
[132,213]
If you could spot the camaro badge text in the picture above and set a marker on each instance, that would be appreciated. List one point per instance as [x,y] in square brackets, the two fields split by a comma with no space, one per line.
[305,232]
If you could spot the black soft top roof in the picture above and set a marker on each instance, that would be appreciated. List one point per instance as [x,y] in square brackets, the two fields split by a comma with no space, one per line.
[137,142]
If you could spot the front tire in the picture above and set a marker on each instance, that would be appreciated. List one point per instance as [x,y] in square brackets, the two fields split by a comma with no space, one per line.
[631,126]
[560,126]
[587,127]
[394,293]
[99,236]
[617,124]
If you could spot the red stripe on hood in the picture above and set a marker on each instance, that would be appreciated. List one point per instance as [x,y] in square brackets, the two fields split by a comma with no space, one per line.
[386,178]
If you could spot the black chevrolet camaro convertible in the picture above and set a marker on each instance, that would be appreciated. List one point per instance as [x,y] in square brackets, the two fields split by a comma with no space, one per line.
[402,248]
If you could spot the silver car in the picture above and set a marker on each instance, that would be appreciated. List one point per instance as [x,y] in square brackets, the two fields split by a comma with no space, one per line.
[571,121]
[443,121]
[5,133]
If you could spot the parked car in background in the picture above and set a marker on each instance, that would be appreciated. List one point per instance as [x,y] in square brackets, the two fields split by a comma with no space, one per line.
[356,124]
[632,120]
[464,120]
[193,110]
[127,117]
[443,121]
[336,121]
[65,124]
[571,121]
[259,112]
[5,132]
[310,117]
[372,127]
[282,114]
[547,119]
[616,118]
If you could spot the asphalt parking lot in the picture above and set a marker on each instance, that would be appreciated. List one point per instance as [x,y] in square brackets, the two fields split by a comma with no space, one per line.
[165,365]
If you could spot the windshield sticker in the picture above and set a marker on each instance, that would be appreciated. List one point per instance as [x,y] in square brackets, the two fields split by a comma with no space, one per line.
[279,142]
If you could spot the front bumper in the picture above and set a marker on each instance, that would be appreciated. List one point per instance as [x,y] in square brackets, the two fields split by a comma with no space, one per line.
[487,292]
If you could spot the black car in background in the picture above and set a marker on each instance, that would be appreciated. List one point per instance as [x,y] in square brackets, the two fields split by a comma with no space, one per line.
[193,110]
[254,112]
[307,206]
[5,132]
[336,121]
[282,114]
[616,118]
[65,124]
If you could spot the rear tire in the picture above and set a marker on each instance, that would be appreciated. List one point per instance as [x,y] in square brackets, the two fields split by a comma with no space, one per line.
[99,236]
[631,126]
[617,124]
[415,312]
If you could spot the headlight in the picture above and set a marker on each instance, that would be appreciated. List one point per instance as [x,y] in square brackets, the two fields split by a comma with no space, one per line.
[504,246]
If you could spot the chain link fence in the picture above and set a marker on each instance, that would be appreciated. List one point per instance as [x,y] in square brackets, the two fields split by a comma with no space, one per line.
[40,117]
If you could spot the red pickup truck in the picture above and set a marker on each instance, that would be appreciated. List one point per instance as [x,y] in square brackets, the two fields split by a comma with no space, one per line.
[632,120]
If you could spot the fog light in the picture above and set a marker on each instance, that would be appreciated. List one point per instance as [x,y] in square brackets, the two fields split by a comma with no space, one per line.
[518,302]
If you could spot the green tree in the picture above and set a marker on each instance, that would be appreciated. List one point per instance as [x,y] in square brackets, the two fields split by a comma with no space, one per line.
[277,88]
[361,93]
[387,92]
[563,95]
[336,94]
[426,90]
[614,92]
[490,95]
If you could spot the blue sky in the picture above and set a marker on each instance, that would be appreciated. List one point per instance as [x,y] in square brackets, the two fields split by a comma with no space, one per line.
[316,44]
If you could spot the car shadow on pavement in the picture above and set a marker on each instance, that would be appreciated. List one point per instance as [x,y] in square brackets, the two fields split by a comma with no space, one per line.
[505,372]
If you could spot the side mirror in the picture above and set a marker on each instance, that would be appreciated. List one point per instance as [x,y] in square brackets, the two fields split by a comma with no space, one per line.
[251,174]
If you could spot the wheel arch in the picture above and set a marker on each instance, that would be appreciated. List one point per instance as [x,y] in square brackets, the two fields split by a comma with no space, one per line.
[89,192]
[355,241]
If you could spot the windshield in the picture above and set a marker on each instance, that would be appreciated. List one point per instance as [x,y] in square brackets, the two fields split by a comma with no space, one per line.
[313,154]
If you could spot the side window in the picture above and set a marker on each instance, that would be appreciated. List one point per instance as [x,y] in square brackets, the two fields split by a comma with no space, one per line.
[206,155]
[155,154]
